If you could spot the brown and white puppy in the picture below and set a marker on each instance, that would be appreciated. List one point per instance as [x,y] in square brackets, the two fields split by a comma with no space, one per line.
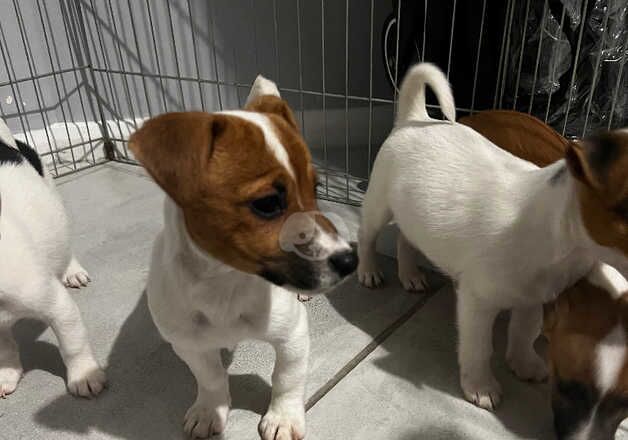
[242,231]
[586,325]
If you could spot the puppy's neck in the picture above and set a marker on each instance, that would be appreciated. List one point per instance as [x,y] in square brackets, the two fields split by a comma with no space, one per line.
[199,262]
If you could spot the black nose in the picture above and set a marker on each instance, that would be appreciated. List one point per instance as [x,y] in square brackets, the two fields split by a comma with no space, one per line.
[344,262]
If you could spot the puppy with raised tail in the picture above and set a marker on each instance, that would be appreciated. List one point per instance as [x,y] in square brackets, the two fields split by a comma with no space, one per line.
[511,235]
[36,261]
[242,232]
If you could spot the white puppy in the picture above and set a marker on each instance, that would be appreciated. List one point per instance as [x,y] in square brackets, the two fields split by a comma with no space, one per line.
[241,228]
[36,261]
[511,235]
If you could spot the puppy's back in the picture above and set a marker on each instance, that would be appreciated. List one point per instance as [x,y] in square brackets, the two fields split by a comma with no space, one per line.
[520,134]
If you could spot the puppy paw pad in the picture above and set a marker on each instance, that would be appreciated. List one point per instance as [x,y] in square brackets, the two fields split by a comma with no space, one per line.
[9,378]
[88,384]
[76,276]
[484,394]
[414,281]
[202,420]
[282,425]
[371,279]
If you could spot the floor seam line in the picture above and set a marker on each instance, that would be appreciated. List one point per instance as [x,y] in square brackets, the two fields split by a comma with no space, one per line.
[368,349]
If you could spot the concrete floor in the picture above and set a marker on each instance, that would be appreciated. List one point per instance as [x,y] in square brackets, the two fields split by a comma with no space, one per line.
[383,362]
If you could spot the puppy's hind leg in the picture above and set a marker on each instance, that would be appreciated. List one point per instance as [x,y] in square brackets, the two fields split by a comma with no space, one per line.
[475,327]
[375,215]
[85,377]
[524,328]
[10,365]
[411,277]
[208,415]
[75,275]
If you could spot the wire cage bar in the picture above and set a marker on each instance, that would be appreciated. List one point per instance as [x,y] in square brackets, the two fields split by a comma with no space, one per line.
[77,77]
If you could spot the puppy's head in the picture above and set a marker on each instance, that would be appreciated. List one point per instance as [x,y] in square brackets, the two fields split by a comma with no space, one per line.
[586,329]
[241,178]
[600,164]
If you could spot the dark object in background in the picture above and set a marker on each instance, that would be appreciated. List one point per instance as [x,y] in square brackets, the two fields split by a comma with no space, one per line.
[435,21]
[540,57]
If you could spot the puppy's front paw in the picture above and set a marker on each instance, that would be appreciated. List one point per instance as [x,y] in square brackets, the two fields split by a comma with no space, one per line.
[529,367]
[9,377]
[485,393]
[369,275]
[283,422]
[75,275]
[303,297]
[86,382]
[412,280]
[204,419]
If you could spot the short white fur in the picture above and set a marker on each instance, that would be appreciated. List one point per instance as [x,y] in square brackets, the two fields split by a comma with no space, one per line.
[36,261]
[509,233]
[201,305]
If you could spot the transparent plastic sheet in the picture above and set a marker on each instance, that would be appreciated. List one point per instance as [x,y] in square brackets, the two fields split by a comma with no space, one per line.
[598,97]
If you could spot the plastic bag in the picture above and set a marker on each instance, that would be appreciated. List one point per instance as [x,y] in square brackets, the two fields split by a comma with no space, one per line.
[598,95]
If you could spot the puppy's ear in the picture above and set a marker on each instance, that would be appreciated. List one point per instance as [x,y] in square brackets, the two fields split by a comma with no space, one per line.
[579,164]
[264,98]
[175,149]
[262,87]
[273,105]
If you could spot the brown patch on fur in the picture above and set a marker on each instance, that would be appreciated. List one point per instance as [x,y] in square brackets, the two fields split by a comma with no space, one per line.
[520,134]
[600,164]
[574,331]
[214,165]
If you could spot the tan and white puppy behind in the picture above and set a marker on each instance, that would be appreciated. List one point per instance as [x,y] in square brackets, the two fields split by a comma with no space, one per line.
[586,328]
[586,325]
[511,235]
[242,234]
[36,261]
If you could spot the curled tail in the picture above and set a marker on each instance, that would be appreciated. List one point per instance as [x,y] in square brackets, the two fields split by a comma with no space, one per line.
[412,93]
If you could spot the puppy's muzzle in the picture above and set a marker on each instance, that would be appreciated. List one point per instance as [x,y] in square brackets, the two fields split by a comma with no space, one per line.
[317,254]
[344,263]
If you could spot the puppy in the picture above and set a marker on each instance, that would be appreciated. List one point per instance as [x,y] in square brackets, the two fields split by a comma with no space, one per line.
[36,261]
[242,232]
[585,325]
[512,236]
[586,330]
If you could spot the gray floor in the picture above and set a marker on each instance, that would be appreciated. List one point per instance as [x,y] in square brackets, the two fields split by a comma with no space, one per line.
[403,383]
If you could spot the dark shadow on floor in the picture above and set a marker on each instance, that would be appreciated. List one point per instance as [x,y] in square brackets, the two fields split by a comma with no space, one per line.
[150,389]
[34,354]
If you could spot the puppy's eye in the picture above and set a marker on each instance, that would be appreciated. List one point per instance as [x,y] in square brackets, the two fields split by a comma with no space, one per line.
[269,207]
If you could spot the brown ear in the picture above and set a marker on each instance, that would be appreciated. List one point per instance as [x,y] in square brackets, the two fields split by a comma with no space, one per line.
[274,105]
[175,149]
[577,160]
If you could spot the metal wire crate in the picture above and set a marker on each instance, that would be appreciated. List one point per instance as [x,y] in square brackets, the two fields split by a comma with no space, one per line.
[80,75]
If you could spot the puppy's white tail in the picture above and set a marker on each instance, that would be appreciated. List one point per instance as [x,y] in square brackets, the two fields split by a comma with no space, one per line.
[412,93]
